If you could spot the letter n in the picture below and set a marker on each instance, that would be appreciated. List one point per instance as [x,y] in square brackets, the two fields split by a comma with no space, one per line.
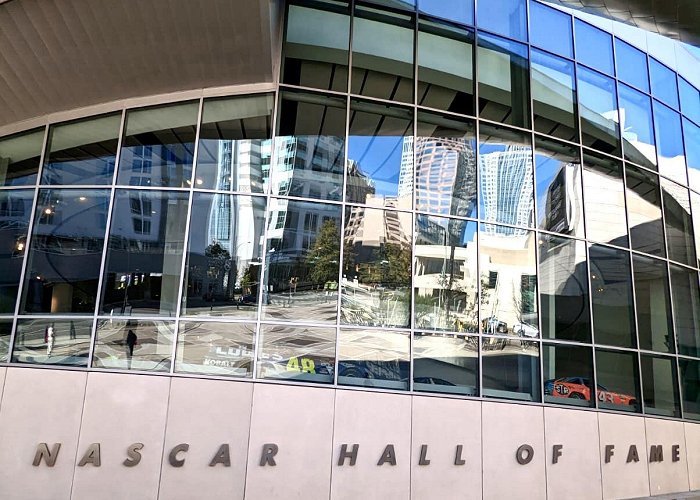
[42,451]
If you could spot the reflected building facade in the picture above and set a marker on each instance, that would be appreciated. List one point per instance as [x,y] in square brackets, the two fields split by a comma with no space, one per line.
[495,202]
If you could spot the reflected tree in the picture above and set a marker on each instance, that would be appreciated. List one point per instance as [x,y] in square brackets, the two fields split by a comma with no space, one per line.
[322,258]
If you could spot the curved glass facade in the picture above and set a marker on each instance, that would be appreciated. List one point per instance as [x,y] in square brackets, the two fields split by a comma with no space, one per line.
[509,210]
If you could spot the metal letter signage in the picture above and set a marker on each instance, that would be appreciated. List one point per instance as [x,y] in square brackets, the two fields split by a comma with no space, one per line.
[172,457]
[388,456]
[344,454]
[458,455]
[223,456]
[422,460]
[268,454]
[134,457]
[524,454]
[92,456]
[656,453]
[42,451]
[556,452]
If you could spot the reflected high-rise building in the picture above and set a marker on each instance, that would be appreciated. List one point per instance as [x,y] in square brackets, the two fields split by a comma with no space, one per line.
[507,187]
[445,175]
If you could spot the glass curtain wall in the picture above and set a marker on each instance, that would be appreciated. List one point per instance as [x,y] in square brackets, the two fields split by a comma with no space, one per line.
[421,204]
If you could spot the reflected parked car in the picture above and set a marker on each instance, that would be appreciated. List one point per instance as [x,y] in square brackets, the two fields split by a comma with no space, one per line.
[579,388]
[526,330]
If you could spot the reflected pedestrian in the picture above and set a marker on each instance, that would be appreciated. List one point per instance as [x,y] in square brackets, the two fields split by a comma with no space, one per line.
[131,341]
[72,330]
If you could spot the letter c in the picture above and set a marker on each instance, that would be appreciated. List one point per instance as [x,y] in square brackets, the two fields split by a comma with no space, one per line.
[172,457]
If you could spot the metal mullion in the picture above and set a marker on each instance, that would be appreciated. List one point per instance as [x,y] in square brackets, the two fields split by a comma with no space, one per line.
[289,87]
[341,259]
[186,236]
[264,262]
[105,246]
[30,229]
[414,239]
[636,327]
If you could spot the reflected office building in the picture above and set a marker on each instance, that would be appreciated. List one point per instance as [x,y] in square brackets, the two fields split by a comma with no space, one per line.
[355,249]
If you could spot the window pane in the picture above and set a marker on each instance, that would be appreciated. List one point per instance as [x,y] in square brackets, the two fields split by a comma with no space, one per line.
[550,29]
[446,363]
[559,196]
[20,155]
[301,269]
[686,310]
[234,145]
[445,281]
[594,47]
[304,354]
[508,281]
[669,140]
[653,304]
[690,100]
[158,146]
[663,83]
[65,253]
[310,147]
[146,245]
[382,59]
[604,200]
[460,11]
[505,17]
[15,210]
[134,345]
[659,380]
[598,110]
[568,375]
[82,152]
[505,183]
[632,67]
[52,342]
[445,166]
[691,137]
[374,358]
[215,349]
[5,333]
[445,67]
[380,154]
[637,130]
[695,204]
[504,89]
[618,380]
[316,46]
[679,226]
[564,289]
[553,96]
[690,380]
[644,211]
[611,283]
[511,368]
[376,267]
[224,255]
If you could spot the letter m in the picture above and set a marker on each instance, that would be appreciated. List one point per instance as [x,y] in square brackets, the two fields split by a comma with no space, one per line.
[656,453]
[42,452]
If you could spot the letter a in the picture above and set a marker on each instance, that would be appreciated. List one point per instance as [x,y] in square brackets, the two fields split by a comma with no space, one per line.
[389,456]
[92,456]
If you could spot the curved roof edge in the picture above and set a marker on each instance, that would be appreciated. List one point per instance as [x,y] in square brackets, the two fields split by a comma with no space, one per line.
[59,55]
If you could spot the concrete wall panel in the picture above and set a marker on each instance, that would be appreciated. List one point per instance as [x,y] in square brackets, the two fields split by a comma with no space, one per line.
[299,420]
[577,432]
[692,446]
[623,479]
[442,425]
[206,414]
[120,410]
[505,428]
[39,406]
[666,476]
[373,421]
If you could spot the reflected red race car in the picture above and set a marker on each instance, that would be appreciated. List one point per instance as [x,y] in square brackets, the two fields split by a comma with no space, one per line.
[579,388]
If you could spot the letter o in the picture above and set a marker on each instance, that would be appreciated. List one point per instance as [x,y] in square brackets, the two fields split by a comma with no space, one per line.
[524,454]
